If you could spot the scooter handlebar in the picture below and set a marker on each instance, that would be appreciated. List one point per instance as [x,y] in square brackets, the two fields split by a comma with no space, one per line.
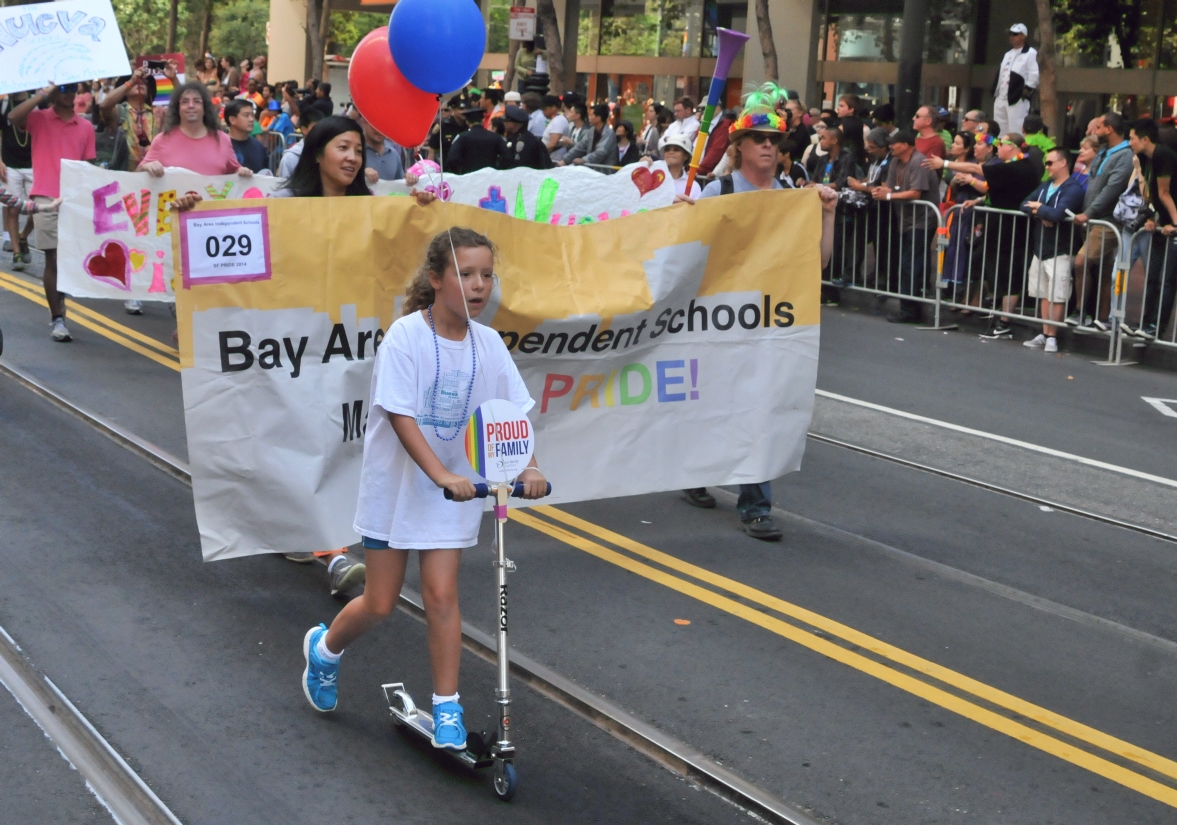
[483,490]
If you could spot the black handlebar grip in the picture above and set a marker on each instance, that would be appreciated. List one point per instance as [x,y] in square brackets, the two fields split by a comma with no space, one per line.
[483,490]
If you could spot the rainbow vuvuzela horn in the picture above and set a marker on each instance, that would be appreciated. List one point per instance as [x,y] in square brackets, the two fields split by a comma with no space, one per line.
[729,46]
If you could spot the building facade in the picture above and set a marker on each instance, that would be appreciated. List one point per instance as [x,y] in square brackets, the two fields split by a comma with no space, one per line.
[635,50]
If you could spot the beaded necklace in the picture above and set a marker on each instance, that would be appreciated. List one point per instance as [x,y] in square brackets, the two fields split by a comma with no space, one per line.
[437,376]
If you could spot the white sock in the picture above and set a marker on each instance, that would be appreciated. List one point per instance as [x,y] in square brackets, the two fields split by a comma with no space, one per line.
[325,654]
[441,700]
[331,564]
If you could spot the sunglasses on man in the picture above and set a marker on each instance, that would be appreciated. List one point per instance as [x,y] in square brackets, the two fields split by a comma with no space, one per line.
[773,138]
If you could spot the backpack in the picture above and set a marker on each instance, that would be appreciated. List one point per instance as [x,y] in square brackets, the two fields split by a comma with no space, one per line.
[1132,208]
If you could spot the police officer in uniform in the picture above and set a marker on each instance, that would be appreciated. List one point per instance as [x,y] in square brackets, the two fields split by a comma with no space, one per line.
[477,148]
[523,148]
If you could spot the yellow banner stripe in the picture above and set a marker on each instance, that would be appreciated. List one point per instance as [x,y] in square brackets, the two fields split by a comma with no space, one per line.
[77,309]
[1041,741]
[27,291]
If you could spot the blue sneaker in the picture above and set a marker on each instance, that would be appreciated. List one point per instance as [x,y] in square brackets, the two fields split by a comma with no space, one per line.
[319,677]
[448,730]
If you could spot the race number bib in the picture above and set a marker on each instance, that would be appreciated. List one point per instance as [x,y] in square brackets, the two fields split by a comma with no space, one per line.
[224,246]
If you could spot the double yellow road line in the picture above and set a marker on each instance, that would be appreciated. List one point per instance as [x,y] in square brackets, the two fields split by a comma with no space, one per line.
[1081,745]
[133,340]
[1050,732]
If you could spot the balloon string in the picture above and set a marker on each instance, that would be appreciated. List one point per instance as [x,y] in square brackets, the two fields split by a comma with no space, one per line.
[445,206]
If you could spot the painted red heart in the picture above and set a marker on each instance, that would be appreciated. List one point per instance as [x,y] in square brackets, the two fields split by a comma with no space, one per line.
[647,181]
[112,261]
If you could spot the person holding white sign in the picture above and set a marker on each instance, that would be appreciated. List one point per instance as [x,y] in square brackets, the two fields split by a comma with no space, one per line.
[433,369]
[57,134]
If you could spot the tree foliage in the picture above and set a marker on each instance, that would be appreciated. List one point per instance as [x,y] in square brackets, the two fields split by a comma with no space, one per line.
[144,24]
[239,28]
[349,27]
[1084,26]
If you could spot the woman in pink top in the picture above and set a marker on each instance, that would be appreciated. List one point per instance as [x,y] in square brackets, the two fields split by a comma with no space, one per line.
[191,138]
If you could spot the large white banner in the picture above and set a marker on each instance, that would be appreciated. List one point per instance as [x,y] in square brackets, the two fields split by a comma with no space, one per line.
[674,348]
[115,232]
[64,42]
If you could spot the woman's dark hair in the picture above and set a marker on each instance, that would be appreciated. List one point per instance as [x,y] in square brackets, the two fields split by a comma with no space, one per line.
[148,81]
[628,127]
[305,181]
[248,61]
[172,118]
[439,256]
[662,117]
[967,140]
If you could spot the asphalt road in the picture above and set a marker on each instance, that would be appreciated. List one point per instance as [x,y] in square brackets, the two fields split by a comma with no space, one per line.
[885,663]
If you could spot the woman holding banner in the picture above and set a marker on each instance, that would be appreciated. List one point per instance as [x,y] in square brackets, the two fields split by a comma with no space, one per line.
[329,167]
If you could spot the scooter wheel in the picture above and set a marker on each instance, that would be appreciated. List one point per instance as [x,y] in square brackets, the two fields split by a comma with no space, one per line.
[505,779]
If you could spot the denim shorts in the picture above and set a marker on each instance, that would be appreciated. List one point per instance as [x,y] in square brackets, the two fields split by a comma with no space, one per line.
[375,544]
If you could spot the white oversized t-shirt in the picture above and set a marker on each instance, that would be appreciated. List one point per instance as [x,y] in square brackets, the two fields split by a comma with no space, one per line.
[398,503]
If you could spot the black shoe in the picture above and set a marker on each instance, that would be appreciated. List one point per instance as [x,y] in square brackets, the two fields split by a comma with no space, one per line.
[998,329]
[761,527]
[699,497]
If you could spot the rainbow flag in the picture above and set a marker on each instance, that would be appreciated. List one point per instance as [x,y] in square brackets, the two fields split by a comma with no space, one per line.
[476,443]
[163,89]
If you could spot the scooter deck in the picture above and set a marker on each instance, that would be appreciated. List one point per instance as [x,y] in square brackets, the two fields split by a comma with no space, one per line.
[405,712]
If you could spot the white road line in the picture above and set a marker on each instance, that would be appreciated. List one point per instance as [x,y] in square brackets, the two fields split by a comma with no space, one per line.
[1025,445]
[1161,405]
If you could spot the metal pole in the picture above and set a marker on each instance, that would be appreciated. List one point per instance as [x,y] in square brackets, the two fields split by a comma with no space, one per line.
[911,59]
[503,746]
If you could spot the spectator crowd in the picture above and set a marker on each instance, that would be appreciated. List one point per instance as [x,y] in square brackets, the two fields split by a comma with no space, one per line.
[1048,249]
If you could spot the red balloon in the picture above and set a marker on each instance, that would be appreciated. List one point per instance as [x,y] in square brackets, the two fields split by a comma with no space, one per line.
[393,105]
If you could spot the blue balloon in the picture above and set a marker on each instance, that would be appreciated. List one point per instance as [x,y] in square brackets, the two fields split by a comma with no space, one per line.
[437,44]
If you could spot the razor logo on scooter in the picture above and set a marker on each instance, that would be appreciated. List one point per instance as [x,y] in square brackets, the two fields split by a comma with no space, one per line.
[503,608]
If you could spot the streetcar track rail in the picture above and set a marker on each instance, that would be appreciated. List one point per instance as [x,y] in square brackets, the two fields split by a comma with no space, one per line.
[676,756]
[672,754]
[997,488]
[122,791]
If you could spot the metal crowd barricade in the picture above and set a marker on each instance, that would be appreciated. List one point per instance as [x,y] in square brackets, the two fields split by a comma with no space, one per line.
[1148,310]
[993,265]
[889,248]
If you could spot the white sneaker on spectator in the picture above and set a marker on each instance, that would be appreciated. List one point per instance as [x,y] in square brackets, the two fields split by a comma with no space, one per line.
[133,307]
[58,330]
[1051,345]
[1037,342]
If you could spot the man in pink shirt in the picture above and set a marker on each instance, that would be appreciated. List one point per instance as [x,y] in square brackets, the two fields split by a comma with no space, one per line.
[192,138]
[57,134]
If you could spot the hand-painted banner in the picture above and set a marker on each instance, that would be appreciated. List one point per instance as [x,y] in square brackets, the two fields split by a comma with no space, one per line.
[676,348]
[115,236]
[115,233]
[566,195]
[64,42]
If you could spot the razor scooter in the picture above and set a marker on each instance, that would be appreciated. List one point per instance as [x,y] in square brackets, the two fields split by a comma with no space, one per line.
[479,752]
